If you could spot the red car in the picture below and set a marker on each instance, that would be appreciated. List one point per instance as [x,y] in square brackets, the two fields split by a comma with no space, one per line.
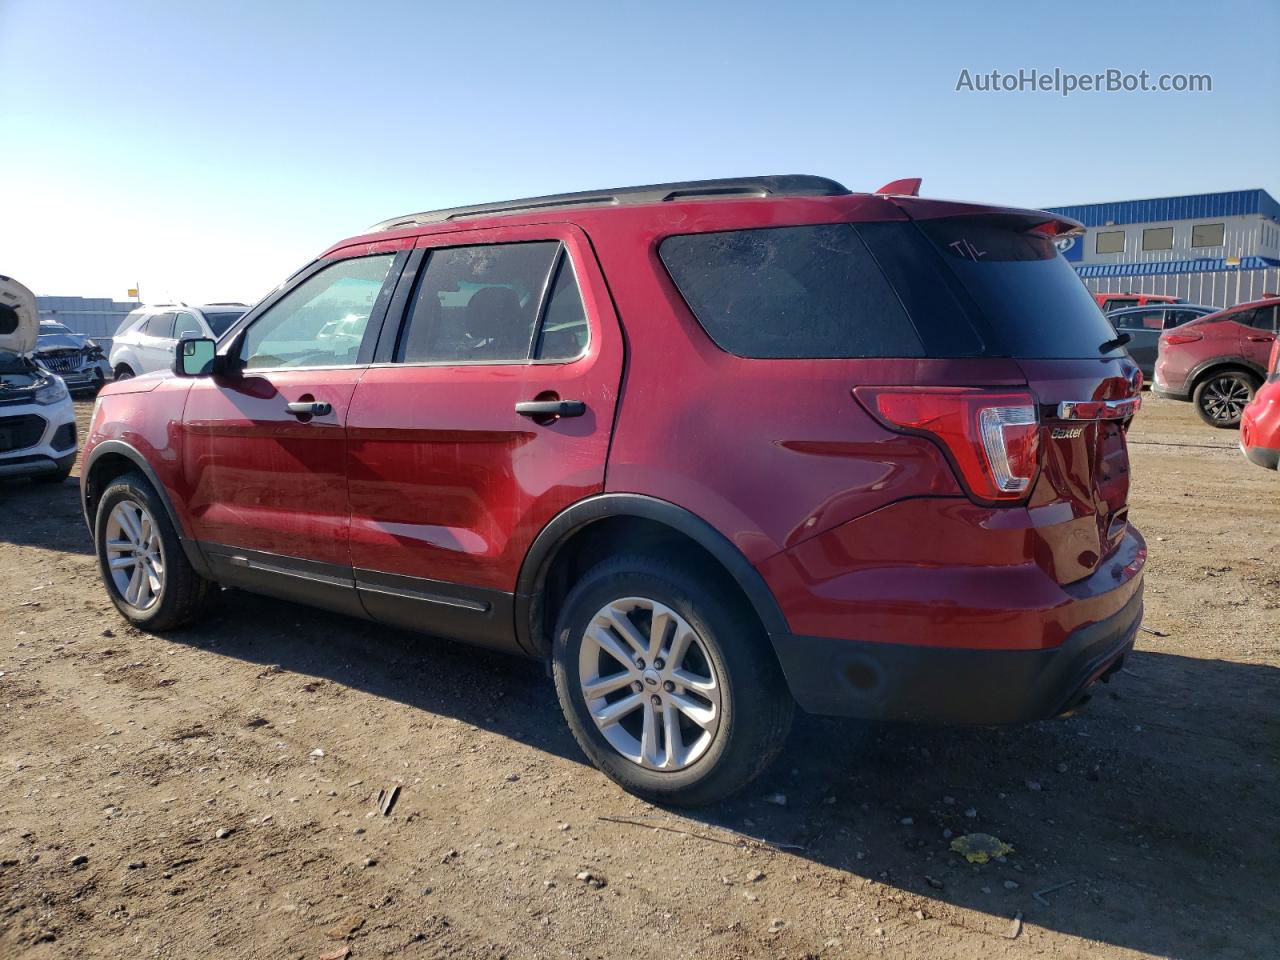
[712,449]
[1116,301]
[1260,423]
[1219,361]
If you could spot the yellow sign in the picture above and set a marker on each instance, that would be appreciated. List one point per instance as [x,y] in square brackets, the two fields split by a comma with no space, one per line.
[133,291]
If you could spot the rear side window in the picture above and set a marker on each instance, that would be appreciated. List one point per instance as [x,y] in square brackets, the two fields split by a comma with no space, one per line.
[791,292]
[1264,318]
[484,304]
[1139,320]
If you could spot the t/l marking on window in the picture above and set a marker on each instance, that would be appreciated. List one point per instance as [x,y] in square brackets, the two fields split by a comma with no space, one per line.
[966,249]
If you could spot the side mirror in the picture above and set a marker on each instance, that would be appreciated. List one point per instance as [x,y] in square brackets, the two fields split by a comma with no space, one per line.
[195,358]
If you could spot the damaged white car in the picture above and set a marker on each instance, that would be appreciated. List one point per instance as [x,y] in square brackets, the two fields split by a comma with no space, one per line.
[37,419]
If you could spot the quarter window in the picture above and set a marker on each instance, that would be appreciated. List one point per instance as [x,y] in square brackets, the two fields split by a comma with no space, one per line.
[1208,234]
[1111,241]
[1264,318]
[320,322]
[1157,238]
[482,304]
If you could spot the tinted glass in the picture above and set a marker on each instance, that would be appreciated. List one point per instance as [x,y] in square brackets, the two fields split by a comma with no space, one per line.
[477,304]
[161,325]
[1176,318]
[1157,238]
[220,323]
[320,322]
[187,326]
[49,327]
[1208,234]
[791,292]
[1111,241]
[564,331]
[1264,318]
[1139,320]
[1029,299]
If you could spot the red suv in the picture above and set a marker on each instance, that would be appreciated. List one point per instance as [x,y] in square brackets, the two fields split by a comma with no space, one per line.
[712,449]
[1218,361]
[1260,422]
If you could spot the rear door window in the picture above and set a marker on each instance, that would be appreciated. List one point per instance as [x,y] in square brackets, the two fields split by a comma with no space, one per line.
[791,292]
[1139,320]
[484,304]
[1264,318]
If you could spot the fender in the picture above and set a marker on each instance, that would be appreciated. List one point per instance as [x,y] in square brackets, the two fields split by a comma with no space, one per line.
[546,545]
[194,556]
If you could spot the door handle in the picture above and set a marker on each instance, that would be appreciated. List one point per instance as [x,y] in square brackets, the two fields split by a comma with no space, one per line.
[551,408]
[1261,339]
[315,408]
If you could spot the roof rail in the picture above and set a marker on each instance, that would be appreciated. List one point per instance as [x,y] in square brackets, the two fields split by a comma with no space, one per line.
[785,185]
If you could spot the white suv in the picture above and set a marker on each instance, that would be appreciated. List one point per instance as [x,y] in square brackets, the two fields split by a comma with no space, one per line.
[37,419]
[148,336]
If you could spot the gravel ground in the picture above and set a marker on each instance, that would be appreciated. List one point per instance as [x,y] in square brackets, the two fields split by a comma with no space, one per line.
[214,793]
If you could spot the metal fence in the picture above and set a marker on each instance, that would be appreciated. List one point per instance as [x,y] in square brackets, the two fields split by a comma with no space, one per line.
[1218,289]
[97,317]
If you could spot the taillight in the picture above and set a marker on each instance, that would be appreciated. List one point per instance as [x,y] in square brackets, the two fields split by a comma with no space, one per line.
[992,438]
[1187,336]
[1274,364]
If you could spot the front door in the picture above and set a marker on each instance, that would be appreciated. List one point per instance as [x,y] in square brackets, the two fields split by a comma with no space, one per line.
[266,448]
[451,472]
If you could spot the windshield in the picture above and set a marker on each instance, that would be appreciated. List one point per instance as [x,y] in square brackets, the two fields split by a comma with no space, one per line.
[47,328]
[220,323]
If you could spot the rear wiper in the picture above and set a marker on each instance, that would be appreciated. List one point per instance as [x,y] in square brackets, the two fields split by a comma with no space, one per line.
[1108,345]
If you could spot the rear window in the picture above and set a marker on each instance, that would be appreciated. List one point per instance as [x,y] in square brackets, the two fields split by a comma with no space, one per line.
[960,287]
[1031,301]
[219,323]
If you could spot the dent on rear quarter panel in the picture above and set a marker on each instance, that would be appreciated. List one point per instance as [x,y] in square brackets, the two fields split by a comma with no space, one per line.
[146,414]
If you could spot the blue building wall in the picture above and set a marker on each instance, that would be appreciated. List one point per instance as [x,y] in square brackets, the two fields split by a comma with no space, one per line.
[97,317]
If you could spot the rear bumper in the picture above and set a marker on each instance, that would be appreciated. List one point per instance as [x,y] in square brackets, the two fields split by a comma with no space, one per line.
[1262,456]
[884,681]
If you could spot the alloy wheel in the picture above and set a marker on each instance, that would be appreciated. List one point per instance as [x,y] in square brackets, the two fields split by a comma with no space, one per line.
[134,555]
[650,684]
[1225,398]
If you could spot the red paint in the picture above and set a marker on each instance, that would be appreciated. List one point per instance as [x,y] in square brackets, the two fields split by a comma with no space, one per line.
[860,531]
[1260,422]
[1218,337]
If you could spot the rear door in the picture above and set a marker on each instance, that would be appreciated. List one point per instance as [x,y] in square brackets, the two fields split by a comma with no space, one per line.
[451,472]
[1258,336]
[1028,303]
[265,454]
[155,343]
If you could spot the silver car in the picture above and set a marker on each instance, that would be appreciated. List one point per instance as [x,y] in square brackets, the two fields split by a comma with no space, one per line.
[148,336]
[77,359]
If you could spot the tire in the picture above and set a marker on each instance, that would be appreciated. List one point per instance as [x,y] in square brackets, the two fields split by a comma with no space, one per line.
[182,593]
[124,372]
[750,707]
[1220,398]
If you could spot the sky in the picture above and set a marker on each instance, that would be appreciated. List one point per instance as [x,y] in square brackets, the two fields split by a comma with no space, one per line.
[207,150]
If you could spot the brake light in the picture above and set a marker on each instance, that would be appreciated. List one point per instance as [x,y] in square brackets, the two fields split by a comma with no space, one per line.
[1186,336]
[991,438]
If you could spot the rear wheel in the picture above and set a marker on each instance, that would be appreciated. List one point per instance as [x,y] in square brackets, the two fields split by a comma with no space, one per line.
[1220,398]
[668,685]
[146,572]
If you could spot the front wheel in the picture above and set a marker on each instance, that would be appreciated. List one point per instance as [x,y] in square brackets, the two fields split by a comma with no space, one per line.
[668,684]
[146,572]
[1220,398]
[124,372]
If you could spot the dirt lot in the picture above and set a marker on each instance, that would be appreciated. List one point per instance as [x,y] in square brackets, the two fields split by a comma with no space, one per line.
[1150,817]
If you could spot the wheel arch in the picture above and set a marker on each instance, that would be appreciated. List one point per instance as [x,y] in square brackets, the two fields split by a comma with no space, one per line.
[1207,368]
[588,530]
[114,458]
